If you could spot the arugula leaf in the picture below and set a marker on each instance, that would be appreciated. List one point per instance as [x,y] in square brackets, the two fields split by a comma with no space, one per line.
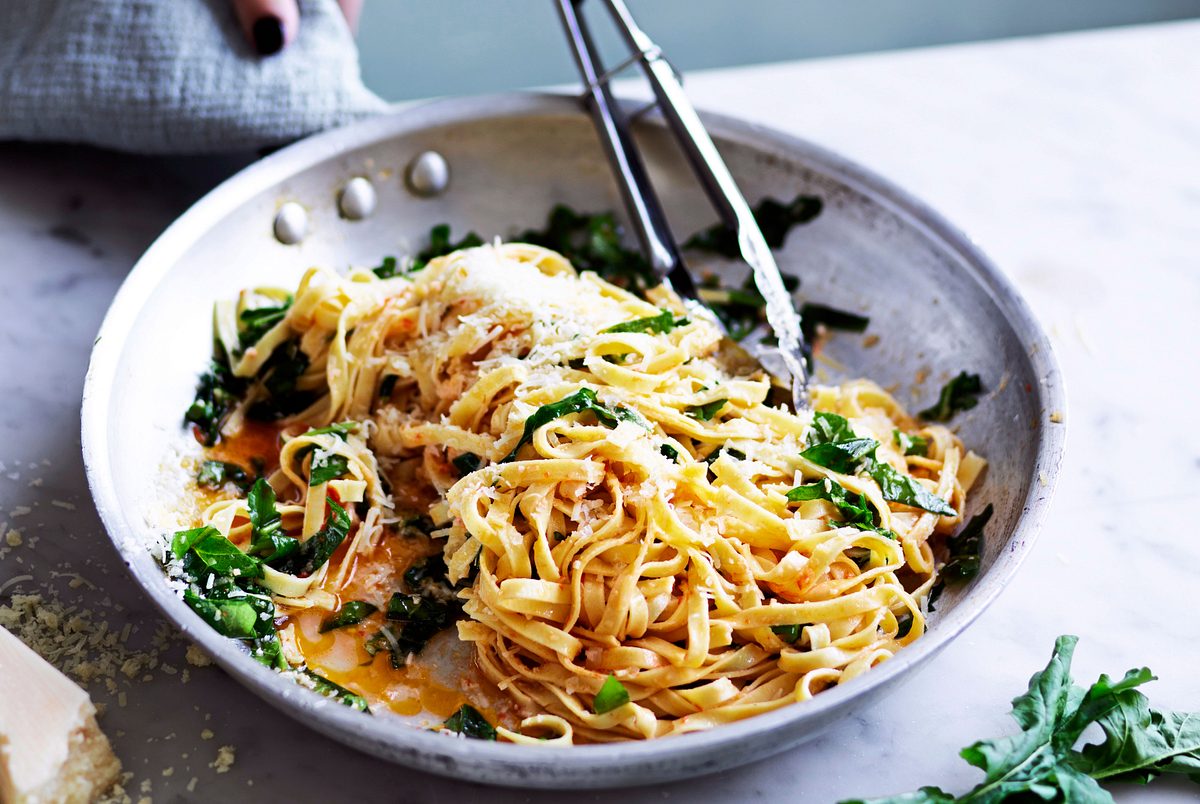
[851,506]
[312,554]
[216,552]
[466,463]
[612,695]
[352,612]
[215,474]
[183,540]
[468,722]
[736,454]
[834,445]
[661,324]
[256,322]
[775,219]
[428,577]
[1041,762]
[327,466]
[387,385]
[339,693]
[1141,743]
[829,428]
[267,537]
[911,444]
[267,650]
[966,549]
[234,618]
[667,451]
[815,315]
[582,400]
[740,310]
[842,457]
[217,393]
[961,393]
[441,245]
[339,429]
[279,376]
[593,243]
[789,633]
[706,411]
[901,488]
[386,269]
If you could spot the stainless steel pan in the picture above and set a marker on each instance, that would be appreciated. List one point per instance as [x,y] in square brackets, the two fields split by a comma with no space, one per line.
[935,302]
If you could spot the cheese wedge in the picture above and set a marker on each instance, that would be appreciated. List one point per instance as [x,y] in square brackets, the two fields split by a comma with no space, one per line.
[51,749]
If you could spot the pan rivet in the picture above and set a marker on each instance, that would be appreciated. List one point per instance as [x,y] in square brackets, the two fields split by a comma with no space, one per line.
[427,174]
[357,199]
[291,223]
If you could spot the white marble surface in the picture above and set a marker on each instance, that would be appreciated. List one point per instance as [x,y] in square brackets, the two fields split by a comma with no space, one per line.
[1075,163]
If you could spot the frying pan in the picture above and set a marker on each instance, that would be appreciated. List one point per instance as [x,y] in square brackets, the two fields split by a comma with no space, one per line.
[936,304]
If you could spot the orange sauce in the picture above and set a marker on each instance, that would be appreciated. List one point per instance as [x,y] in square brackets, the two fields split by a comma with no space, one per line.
[423,685]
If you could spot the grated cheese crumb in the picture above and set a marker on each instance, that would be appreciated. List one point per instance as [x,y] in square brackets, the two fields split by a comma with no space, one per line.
[207,734]
[226,755]
[63,504]
[13,538]
[197,657]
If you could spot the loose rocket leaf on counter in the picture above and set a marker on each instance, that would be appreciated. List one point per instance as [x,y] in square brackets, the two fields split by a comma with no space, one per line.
[1042,762]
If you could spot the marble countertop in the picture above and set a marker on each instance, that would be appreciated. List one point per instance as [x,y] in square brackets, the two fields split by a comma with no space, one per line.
[1073,160]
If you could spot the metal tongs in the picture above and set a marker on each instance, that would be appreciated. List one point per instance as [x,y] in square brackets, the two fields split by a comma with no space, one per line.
[645,210]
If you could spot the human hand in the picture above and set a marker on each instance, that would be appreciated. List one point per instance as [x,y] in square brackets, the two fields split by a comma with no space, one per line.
[270,25]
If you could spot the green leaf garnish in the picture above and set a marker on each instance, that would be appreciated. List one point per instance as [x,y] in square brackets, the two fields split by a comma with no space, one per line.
[256,322]
[661,324]
[853,507]
[842,457]
[467,463]
[706,411]
[468,722]
[966,549]
[267,537]
[217,393]
[216,552]
[352,612]
[312,554]
[961,393]
[815,315]
[593,243]
[788,633]
[834,445]
[775,219]
[339,693]
[901,488]
[215,474]
[386,269]
[339,429]
[612,695]
[582,400]
[327,466]
[234,618]
[911,444]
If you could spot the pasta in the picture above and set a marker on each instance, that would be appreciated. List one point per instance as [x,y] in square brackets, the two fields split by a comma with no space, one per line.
[612,490]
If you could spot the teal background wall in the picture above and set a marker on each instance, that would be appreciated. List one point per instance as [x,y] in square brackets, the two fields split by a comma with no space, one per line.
[422,48]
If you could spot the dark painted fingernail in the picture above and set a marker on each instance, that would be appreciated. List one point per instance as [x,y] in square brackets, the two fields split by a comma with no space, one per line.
[268,35]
